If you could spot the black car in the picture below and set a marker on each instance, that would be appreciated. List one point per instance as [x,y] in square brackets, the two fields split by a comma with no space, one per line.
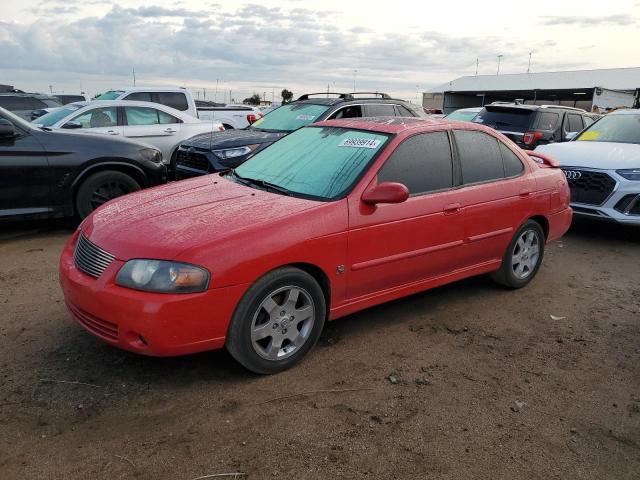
[219,151]
[23,104]
[46,173]
[532,125]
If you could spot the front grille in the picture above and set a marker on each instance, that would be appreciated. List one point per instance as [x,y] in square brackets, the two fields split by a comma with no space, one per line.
[590,188]
[95,325]
[191,158]
[90,258]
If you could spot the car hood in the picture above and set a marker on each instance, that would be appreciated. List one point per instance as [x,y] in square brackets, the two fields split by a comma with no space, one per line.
[600,155]
[231,139]
[161,222]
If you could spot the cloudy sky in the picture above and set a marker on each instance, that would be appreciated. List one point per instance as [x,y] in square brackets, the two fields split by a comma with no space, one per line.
[400,46]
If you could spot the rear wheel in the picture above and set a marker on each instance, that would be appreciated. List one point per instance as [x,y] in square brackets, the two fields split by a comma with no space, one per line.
[277,321]
[101,187]
[523,257]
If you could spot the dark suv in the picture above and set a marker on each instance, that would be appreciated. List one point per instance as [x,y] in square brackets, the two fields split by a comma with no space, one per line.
[219,151]
[532,125]
[22,104]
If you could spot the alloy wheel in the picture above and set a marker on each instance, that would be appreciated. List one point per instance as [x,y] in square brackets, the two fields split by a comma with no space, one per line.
[526,254]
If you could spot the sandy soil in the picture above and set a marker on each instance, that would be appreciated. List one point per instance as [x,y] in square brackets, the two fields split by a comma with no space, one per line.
[462,382]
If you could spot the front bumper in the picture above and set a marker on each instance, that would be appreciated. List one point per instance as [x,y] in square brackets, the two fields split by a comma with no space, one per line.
[142,322]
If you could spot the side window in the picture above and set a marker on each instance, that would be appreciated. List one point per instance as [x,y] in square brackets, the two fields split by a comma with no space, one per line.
[381,110]
[547,121]
[98,117]
[588,121]
[141,116]
[13,103]
[36,103]
[404,111]
[165,118]
[139,96]
[175,100]
[480,156]
[575,123]
[352,111]
[422,163]
[512,164]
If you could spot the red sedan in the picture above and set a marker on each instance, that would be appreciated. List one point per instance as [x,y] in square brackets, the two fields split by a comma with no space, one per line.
[334,218]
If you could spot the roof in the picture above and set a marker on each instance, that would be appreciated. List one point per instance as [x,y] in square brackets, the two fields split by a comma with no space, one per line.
[611,78]
[391,125]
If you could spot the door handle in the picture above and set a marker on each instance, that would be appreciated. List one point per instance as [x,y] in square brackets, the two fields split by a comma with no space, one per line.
[112,132]
[525,192]
[451,208]
[170,130]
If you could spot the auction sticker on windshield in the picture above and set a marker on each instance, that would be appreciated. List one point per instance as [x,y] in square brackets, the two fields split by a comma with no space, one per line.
[360,143]
[305,118]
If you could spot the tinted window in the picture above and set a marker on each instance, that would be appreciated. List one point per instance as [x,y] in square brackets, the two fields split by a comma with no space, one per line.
[480,157]
[352,111]
[14,103]
[574,123]
[404,111]
[380,110]
[36,103]
[547,121]
[98,117]
[512,164]
[505,118]
[141,116]
[175,100]
[422,163]
[139,96]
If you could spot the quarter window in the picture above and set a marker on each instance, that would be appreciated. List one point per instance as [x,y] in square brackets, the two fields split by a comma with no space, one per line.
[480,156]
[512,164]
[422,163]
[352,111]
[98,118]
[404,111]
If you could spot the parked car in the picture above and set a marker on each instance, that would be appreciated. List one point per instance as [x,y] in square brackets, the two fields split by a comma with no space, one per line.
[47,173]
[152,123]
[65,99]
[204,154]
[231,116]
[23,104]
[532,125]
[334,218]
[602,166]
[464,114]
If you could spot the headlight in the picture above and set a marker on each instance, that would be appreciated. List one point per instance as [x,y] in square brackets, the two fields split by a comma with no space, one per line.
[630,173]
[235,152]
[162,276]
[151,155]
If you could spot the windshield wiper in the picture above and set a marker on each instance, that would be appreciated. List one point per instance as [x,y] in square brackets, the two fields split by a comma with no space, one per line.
[262,183]
[46,129]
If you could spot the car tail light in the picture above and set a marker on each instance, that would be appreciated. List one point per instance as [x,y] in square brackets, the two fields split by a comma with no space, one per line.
[221,128]
[251,118]
[531,138]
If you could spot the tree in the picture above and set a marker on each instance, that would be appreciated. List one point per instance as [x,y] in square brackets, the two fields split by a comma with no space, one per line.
[252,100]
[286,96]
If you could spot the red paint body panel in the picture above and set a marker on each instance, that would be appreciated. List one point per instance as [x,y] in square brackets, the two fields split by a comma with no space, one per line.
[238,234]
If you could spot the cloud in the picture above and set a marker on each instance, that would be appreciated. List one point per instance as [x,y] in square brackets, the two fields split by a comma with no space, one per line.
[607,20]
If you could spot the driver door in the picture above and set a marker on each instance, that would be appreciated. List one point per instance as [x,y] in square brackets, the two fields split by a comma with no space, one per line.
[102,120]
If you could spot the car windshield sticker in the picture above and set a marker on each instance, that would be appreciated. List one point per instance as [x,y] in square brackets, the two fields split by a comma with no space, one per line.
[360,143]
[305,118]
[590,135]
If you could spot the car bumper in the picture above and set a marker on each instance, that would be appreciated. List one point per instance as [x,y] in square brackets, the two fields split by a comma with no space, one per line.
[622,206]
[142,322]
[559,223]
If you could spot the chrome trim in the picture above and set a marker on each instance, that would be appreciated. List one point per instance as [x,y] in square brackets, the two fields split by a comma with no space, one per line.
[89,258]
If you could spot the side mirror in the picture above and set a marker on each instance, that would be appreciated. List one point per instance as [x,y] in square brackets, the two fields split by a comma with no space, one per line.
[7,130]
[71,125]
[386,192]
[37,113]
[571,135]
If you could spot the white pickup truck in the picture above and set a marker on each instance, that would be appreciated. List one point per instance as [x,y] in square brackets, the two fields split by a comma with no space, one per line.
[231,116]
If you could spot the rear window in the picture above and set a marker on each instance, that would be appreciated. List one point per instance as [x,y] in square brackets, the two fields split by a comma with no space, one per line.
[547,121]
[501,118]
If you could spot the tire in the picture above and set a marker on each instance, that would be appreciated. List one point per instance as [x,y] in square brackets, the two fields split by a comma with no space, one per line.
[101,187]
[267,343]
[173,163]
[517,270]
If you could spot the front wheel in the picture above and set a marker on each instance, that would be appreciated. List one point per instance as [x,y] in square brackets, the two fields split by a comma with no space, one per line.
[101,187]
[523,257]
[277,322]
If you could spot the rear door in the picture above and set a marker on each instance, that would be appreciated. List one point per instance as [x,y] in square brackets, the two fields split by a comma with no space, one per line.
[100,120]
[150,125]
[397,244]
[493,197]
[24,175]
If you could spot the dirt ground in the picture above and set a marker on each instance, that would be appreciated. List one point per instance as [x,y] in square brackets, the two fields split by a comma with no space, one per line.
[462,382]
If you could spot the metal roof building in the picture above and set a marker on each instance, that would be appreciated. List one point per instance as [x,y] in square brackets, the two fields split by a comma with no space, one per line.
[602,88]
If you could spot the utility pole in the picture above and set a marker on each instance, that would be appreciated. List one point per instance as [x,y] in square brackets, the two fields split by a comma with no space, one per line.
[50,88]
[529,67]
[215,97]
[204,93]
[477,64]
[499,58]
[133,70]
[355,74]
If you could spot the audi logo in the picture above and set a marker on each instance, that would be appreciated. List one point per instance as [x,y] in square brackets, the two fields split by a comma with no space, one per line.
[572,174]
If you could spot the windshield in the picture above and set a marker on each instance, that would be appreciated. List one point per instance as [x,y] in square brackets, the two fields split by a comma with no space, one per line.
[110,95]
[315,162]
[519,118]
[623,128]
[55,116]
[290,117]
[462,115]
